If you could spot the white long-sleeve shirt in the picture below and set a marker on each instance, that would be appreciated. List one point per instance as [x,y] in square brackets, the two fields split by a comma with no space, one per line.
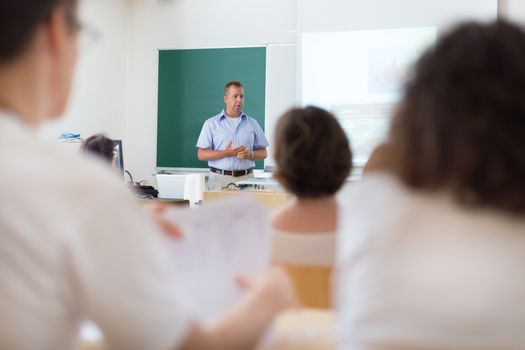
[74,245]
[418,271]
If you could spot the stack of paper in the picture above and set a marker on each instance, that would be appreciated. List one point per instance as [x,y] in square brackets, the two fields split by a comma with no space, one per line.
[221,240]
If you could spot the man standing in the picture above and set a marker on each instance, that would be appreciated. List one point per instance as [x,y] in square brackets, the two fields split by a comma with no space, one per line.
[231,141]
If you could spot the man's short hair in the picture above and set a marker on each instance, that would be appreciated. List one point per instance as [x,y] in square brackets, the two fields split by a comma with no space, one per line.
[231,83]
[19,20]
[460,124]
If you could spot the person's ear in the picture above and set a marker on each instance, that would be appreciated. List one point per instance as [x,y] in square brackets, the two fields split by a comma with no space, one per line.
[225,99]
[57,29]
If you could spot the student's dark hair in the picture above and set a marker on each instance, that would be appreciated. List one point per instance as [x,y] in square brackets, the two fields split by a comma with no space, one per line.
[231,83]
[99,145]
[461,123]
[20,18]
[312,154]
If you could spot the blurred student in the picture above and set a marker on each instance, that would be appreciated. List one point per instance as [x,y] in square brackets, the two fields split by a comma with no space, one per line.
[101,146]
[432,257]
[64,256]
[313,159]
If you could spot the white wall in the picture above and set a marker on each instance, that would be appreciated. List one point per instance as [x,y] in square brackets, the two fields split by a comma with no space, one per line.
[97,102]
[513,10]
[341,15]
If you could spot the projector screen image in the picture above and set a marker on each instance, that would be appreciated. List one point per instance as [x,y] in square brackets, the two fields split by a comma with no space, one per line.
[359,77]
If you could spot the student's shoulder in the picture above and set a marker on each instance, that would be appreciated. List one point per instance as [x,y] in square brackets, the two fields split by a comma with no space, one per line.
[375,187]
[377,195]
[367,211]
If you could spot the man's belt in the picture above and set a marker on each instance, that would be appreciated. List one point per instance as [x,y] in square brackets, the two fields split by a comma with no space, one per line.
[231,172]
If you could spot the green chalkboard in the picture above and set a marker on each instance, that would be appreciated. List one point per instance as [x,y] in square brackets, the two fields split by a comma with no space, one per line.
[191,89]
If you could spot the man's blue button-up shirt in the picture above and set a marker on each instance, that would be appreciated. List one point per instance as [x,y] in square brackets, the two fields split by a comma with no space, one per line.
[217,132]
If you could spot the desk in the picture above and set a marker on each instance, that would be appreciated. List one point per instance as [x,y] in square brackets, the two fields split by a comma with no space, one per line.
[269,199]
[173,201]
[170,201]
[302,329]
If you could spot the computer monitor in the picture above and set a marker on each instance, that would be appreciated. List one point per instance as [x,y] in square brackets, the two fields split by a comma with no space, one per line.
[118,158]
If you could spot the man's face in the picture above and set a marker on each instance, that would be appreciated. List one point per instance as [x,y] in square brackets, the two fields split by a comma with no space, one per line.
[234,100]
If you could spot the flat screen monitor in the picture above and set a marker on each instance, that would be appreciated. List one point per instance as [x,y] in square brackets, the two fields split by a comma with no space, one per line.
[118,158]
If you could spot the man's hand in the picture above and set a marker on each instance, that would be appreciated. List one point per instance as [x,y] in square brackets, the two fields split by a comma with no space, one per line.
[211,154]
[246,154]
[232,152]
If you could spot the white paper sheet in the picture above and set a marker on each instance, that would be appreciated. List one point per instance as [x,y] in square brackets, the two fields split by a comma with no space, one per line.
[221,240]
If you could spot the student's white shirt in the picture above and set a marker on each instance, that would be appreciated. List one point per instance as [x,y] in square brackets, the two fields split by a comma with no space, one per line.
[418,271]
[74,245]
[303,248]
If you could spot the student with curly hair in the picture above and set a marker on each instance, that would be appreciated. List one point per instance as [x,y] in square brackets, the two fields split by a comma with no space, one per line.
[432,257]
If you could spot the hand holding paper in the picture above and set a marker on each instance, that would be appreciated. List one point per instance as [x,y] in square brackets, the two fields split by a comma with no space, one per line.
[220,242]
